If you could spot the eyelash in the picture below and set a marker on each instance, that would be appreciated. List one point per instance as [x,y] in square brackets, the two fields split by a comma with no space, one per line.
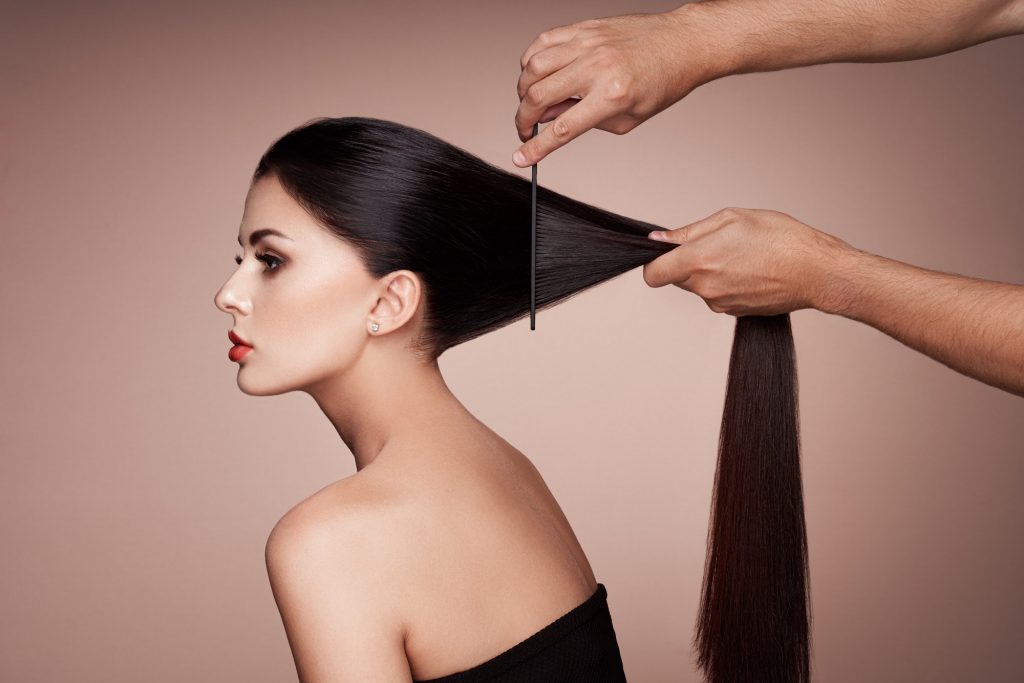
[266,258]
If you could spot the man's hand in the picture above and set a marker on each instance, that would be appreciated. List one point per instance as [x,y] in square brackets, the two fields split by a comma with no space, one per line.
[750,262]
[754,262]
[625,69]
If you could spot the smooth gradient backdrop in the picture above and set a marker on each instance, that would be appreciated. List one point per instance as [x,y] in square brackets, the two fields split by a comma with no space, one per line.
[138,484]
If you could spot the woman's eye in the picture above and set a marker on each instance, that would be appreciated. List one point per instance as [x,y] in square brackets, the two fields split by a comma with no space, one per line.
[267,259]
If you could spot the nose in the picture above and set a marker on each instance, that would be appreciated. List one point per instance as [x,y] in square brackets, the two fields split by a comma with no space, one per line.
[229,299]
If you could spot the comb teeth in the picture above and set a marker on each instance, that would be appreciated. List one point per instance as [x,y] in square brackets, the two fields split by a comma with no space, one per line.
[533,240]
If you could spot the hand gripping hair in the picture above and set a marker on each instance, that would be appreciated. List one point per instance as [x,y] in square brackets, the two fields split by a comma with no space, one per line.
[406,199]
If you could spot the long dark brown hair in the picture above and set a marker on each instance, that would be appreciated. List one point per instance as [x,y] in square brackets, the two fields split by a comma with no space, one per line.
[405,199]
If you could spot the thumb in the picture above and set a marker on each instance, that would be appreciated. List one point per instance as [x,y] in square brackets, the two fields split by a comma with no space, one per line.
[676,266]
[687,233]
[676,235]
[673,267]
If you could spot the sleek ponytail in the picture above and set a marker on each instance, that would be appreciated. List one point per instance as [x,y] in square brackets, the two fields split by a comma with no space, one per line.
[754,622]
[407,199]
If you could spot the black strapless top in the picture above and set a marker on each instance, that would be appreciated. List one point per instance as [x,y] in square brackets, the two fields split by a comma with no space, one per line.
[578,646]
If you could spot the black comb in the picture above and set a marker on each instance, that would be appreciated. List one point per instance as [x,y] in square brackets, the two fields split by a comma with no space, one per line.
[533,242]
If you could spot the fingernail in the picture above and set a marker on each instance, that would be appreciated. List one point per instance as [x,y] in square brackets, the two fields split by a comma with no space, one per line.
[657,235]
[518,158]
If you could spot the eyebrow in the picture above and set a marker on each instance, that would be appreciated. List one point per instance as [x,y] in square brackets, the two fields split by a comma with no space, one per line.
[257,235]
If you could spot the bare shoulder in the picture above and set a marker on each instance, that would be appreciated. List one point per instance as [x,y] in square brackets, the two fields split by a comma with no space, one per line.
[330,572]
[336,506]
[340,527]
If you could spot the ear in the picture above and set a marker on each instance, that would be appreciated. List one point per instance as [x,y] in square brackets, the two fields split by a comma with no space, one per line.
[398,299]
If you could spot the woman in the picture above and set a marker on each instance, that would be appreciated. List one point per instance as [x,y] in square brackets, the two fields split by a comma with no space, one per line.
[369,248]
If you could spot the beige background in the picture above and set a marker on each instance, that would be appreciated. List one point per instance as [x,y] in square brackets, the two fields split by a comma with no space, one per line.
[138,484]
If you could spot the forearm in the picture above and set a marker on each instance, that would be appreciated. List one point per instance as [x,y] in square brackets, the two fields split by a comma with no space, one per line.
[975,327]
[743,36]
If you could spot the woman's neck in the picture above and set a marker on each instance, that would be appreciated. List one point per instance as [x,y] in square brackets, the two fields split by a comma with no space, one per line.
[388,400]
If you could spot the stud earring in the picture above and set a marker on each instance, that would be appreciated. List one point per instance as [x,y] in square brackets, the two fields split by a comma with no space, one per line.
[374,326]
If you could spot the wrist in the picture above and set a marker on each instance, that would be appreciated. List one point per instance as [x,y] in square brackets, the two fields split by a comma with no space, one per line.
[708,50]
[837,290]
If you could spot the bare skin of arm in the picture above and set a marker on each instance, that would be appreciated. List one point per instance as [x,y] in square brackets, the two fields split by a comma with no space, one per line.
[626,69]
[781,34]
[975,327]
[760,262]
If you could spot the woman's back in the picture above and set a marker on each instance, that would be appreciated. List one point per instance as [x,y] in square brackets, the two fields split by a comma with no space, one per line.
[492,559]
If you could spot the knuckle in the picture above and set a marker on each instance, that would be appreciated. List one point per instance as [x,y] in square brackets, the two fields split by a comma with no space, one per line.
[560,128]
[534,95]
[534,64]
[619,88]
[546,37]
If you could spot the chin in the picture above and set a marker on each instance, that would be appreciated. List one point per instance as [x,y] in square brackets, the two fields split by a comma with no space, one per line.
[256,388]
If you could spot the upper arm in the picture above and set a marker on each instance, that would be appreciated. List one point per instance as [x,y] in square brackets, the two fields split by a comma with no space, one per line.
[326,578]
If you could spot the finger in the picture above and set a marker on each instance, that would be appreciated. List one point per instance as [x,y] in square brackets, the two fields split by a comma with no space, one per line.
[573,122]
[555,111]
[692,231]
[549,38]
[543,64]
[544,94]
[674,267]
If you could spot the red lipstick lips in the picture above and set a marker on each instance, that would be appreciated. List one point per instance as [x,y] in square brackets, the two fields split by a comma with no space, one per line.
[240,349]
[236,339]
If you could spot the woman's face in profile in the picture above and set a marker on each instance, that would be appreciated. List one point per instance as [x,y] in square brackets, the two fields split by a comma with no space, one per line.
[300,297]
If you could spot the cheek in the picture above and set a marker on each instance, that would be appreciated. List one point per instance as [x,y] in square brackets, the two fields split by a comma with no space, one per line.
[319,324]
